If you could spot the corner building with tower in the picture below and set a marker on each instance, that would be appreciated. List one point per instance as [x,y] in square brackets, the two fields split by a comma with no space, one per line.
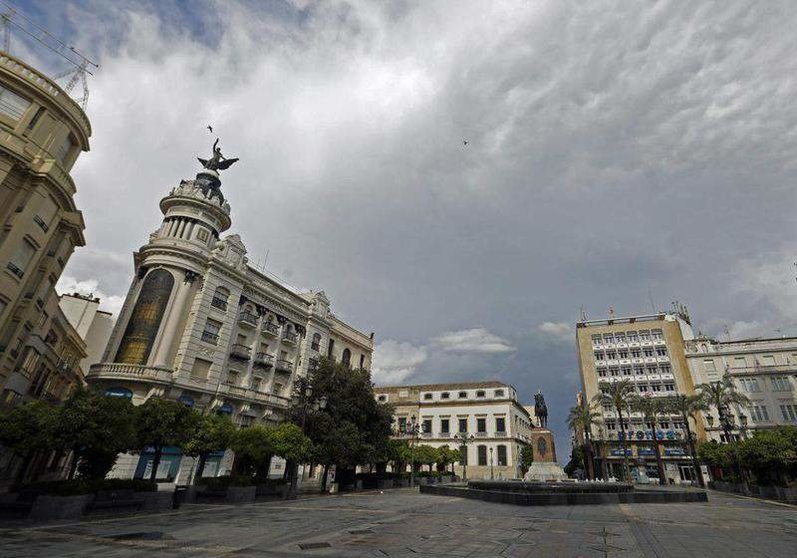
[202,327]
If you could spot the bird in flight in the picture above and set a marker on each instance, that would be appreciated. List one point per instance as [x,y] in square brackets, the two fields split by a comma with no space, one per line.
[465,142]
[210,128]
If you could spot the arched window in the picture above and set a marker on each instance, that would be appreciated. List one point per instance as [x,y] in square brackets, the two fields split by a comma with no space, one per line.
[186,400]
[146,318]
[316,343]
[225,409]
[220,297]
[346,358]
[330,348]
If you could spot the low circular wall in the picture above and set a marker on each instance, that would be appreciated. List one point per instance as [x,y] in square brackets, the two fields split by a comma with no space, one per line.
[552,487]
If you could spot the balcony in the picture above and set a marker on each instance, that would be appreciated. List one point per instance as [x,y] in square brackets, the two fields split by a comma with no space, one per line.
[315,347]
[481,434]
[264,359]
[270,329]
[283,365]
[219,303]
[210,337]
[134,372]
[290,337]
[426,435]
[312,364]
[247,319]
[500,434]
[240,351]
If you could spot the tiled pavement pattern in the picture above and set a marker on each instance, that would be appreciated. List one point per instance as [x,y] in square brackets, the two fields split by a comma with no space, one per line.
[403,523]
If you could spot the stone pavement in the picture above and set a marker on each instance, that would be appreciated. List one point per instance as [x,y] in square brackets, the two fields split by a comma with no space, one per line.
[404,523]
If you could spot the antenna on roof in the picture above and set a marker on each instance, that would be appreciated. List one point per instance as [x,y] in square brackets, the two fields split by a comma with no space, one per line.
[81,64]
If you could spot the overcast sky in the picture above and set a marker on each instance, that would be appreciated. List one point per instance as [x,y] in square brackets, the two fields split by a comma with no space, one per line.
[620,154]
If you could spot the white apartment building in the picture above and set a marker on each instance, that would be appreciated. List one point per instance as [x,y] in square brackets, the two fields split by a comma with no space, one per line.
[201,326]
[93,325]
[648,350]
[765,370]
[487,411]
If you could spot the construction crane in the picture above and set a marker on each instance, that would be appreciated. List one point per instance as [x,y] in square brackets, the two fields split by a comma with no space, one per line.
[80,65]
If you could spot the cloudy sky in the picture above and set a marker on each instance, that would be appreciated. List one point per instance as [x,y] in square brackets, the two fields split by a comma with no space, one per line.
[622,154]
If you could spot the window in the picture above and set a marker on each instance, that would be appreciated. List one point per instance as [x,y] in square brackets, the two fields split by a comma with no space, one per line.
[444,426]
[462,395]
[331,347]
[482,452]
[402,424]
[602,372]
[661,351]
[315,344]
[499,393]
[599,355]
[665,369]
[607,407]
[596,340]
[35,120]
[647,351]
[362,362]
[256,383]
[636,353]
[219,300]
[427,426]
[11,104]
[232,377]
[655,387]
[619,337]
[481,425]
[642,388]
[480,393]
[501,455]
[709,365]
[644,336]
[611,355]
[445,395]
[656,334]
[789,412]
[202,235]
[65,148]
[427,396]
[346,358]
[463,424]
[780,383]
[759,413]
[611,425]
[669,387]
[739,362]
[608,338]
[382,398]
[201,369]
[622,353]
[750,385]
[768,360]
[211,332]
[652,370]
[500,424]
[614,372]
[22,258]
[632,337]
[639,370]
[626,370]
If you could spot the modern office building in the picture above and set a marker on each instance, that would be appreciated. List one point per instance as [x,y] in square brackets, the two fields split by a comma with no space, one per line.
[489,412]
[42,133]
[765,370]
[201,326]
[648,350]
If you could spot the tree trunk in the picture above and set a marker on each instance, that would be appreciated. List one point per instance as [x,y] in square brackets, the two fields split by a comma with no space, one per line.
[626,468]
[590,459]
[659,462]
[324,477]
[693,454]
[73,461]
[156,461]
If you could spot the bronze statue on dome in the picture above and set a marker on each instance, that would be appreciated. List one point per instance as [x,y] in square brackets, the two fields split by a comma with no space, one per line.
[218,161]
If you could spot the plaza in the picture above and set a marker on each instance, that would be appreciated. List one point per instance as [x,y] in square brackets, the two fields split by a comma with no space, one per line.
[404,523]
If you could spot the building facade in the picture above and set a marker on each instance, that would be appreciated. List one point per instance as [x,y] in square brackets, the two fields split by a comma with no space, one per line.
[487,411]
[648,350]
[93,325]
[765,370]
[201,326]
[42,132]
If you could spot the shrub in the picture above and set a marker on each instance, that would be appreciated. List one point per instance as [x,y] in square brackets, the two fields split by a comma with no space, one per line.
[222,483]
[84,486]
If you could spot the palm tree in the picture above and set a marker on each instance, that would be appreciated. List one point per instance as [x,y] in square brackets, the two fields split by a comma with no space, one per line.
[687,406]
[618,395]
[722,395]
[651,408]
[582,417]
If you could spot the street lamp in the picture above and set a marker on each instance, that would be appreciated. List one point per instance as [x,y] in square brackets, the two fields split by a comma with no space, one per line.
[464,440]
[412,429]
[492,477]
[302,399]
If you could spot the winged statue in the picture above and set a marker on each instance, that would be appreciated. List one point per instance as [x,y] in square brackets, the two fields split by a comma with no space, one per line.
[217,161]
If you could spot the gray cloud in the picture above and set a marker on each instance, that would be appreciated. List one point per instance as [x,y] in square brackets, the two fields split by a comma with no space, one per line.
[617,152]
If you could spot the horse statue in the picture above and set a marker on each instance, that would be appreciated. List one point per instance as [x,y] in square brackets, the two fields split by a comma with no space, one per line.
[540,409]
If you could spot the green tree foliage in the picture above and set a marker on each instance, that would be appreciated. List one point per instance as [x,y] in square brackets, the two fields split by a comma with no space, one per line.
[618,394]
[576,461]
[253,447]
[526,458]
[687,406]
[212,433]
[581,418]
[715,454]
[770,454]
[96,428]
[353,429]
[290,443]
[722,394]
[162,423]
[651,408]
[425,455]
[28,429]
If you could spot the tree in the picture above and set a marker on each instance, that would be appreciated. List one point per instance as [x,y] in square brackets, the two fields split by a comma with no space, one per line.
[212,433]
[651,408]
[769,454]
[582,418]
[253,447]
[290,443]
[445,457]
[399,454]
[425,455]
[27,430]
[526,458]
[714,453]
[96,428]
[687,406]
[722,395]
[617,394]
[576,461]
[162,423]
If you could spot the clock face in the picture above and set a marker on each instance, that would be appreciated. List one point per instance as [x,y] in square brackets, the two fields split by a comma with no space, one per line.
[542,446]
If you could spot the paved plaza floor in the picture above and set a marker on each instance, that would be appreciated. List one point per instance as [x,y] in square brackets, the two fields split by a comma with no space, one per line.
[404,523]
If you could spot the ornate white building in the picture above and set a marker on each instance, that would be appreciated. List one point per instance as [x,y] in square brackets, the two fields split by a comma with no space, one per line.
[200,326]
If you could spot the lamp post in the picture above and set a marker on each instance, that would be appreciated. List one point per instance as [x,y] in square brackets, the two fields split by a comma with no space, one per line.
[302,399]
[412,429]
[492,477]
[464,440]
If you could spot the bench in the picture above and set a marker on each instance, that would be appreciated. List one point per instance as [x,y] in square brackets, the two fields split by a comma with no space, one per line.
[109,499]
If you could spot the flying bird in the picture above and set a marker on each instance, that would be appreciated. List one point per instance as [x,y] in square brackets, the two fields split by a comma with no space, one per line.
[210,128]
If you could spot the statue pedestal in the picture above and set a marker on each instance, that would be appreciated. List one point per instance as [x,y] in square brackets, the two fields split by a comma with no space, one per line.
[543,472]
